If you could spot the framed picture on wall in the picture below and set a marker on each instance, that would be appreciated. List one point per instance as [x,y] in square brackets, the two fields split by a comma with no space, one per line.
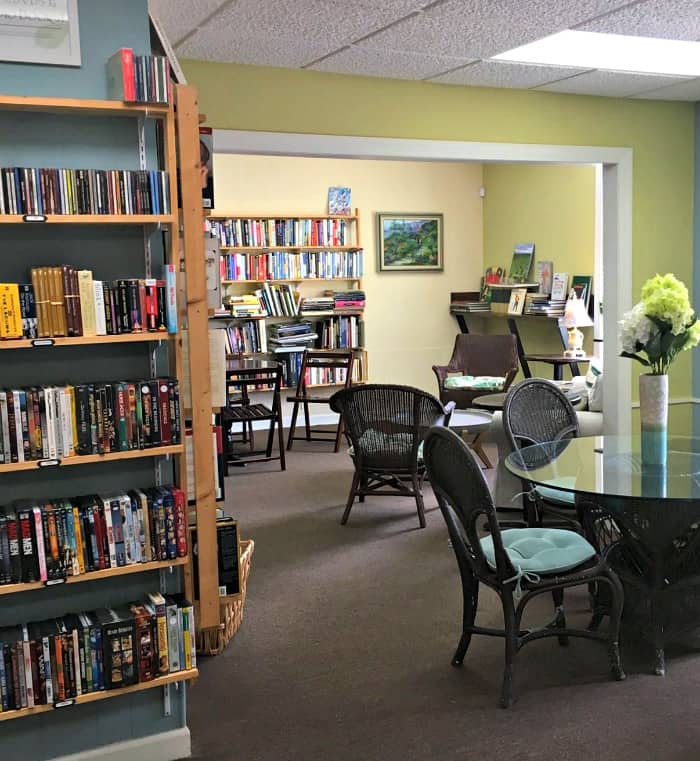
[409,242]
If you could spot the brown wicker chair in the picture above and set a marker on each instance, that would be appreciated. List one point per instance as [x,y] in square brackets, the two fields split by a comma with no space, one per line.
[386,426]
[474,354]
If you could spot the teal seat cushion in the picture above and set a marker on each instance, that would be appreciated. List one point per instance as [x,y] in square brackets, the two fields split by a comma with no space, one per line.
[541,550]
[475,382]
[376,442]
[557,496]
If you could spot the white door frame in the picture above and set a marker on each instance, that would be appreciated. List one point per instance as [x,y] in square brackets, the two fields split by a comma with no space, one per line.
[616,212]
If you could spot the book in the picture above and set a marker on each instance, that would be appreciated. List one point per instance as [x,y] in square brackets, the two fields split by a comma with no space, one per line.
[170,279]
[581,286]
[121,78]
[339,201]
[560,286]
[10,311]
[544,270]
[521,262]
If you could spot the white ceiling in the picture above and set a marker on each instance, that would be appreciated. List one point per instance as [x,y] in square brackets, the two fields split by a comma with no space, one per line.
[442,41]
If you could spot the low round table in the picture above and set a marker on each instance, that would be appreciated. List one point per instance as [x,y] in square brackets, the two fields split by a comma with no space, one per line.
[644,519]
[473,421]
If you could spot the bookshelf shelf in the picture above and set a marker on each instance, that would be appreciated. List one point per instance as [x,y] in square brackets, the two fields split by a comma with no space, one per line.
[291,249]
[296,280]
[125,338]
[222,215]
[86,107]
[93,219]
[107,573]
[88,459]
[91,697]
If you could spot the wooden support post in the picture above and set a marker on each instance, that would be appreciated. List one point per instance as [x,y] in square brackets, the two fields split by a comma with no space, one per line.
[198,335]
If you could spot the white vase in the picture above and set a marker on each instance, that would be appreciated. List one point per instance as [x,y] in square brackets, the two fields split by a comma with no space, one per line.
[653,412]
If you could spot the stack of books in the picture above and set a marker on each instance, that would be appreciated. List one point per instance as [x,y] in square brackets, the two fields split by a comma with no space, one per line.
[539,304]
[249,305]
[349,299]
[138,78]
[52,662]
[459,307]
[50,422]
[291,337]
[83,191]
[317,304]
[50,540]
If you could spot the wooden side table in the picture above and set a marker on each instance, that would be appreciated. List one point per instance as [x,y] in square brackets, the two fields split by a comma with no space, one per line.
[558,362]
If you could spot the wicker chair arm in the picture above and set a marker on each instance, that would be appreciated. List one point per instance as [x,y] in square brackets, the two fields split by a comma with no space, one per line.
[441,373]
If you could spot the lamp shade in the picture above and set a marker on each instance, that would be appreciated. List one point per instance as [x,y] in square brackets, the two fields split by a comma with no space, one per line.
[576,314]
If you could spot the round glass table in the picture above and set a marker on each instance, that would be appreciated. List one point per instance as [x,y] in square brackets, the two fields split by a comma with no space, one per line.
[644,519]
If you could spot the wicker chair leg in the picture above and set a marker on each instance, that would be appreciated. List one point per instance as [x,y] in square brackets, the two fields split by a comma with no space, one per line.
[558,598]
[616,604]
[470,591]
[511,648]
[363,486]
[338,435]
[292,426]
[419,499]
[351,498]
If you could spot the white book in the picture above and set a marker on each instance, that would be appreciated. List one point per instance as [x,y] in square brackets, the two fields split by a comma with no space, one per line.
[5,425]
[127,529]
[100,318]
[51,452]
[61,450]
[144,527]
[66,422]
[18,426]
[560,286]
[39,537]
[106,502]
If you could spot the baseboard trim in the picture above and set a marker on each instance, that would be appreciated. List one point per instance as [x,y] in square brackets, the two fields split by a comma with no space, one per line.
[165,746]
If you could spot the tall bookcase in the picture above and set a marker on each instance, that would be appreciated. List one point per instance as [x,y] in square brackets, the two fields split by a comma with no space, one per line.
[329,265]
[113,246]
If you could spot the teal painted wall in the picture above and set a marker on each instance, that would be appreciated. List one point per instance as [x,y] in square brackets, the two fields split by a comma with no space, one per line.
[111,252]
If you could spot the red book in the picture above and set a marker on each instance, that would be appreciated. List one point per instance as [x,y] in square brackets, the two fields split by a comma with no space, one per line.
[121,76]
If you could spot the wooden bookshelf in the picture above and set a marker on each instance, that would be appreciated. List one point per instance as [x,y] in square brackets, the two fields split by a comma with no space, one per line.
[85,107]
[107,573]
[54,343]
[92,219]
[215,214]
[88,459]
[92,697]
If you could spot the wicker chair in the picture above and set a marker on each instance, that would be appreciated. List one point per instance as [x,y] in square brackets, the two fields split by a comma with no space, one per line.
[534,412]
[464,498]
[386,426]
[476,355]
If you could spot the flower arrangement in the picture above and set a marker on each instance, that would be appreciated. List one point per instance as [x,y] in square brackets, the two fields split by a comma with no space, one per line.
[661,325]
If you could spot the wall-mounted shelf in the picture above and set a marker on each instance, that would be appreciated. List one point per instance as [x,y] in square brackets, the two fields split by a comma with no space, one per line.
[84,107]
[55,343]
[92,219]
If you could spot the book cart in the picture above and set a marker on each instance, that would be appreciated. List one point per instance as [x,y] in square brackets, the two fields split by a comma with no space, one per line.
[133,136]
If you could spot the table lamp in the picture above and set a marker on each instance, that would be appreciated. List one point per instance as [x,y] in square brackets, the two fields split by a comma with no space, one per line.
[575,317]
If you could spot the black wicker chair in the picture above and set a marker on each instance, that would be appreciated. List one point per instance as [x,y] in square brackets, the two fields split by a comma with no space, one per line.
[535,412]
[386,426]
[463,496]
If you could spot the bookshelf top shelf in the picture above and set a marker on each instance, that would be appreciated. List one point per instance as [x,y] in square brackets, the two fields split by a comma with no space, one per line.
[222,215]
[92,219]
[89,107]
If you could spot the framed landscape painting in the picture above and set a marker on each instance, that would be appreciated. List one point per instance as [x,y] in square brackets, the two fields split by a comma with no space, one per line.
[409,242]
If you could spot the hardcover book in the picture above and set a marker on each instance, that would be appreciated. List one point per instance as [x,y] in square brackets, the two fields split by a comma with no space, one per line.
[339,201]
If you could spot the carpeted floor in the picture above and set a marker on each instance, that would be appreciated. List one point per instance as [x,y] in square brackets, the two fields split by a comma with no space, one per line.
[344,654]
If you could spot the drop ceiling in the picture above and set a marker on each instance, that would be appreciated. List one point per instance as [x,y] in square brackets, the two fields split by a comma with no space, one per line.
[445,41]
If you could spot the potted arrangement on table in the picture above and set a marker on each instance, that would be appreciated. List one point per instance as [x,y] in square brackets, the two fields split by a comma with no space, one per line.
[654,332]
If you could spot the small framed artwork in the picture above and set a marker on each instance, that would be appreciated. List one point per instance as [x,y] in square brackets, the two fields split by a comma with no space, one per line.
[517,301]
[409,242]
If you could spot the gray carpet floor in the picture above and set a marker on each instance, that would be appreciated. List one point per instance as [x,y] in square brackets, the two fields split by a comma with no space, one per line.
[344,653]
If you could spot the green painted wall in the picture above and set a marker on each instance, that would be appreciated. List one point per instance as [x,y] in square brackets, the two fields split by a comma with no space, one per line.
[553,207]
[661,135]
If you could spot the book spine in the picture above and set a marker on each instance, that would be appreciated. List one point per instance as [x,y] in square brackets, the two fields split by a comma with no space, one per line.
[170,278]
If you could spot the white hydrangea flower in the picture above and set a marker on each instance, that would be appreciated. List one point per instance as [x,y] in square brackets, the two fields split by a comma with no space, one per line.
[635,328]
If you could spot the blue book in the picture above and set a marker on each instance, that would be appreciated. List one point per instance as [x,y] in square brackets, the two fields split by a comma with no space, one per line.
[170,278]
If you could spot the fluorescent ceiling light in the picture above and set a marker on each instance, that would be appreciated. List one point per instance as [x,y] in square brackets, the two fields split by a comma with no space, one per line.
[616,52]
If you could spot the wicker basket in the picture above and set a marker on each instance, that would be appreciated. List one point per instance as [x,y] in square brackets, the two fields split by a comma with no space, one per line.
[213,641]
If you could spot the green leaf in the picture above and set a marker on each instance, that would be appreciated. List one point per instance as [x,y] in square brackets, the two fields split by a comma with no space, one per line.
[653,348]
[639,359]
[662,325]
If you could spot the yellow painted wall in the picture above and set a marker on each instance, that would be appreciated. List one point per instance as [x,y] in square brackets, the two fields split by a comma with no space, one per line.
[661,135]
[553,207]
[407,324]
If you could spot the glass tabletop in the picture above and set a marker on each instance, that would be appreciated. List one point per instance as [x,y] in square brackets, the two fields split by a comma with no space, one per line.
[611,466]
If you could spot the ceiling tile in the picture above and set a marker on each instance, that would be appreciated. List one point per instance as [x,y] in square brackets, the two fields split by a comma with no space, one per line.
[484,28]
[503,74]
[290,32]
[367,60]
[670,19]
[616,84]
[178,18]
[686,90]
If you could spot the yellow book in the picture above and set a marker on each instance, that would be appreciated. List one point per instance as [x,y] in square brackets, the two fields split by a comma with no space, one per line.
[185,613]
[77,528]
[10,312]
[87,302]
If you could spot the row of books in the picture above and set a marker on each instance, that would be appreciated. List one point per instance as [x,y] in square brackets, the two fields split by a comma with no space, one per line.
[315,376]
[283,265]
[344,332]
[63,301]
[297,334]
[83,191]
[50,422]
[50,540]
[280,300]
[138,78]
[279,232]
[246,338]
[54,661]
[469,306]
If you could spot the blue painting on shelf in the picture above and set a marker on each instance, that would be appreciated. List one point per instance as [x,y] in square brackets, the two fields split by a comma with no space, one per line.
[339,201]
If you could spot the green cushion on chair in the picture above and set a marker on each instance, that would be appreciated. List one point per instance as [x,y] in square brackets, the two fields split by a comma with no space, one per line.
[475,382]
[557,496]
[374,441]
[541,550]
